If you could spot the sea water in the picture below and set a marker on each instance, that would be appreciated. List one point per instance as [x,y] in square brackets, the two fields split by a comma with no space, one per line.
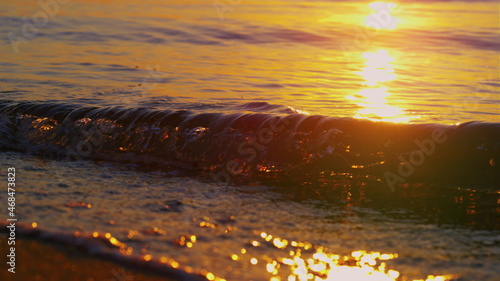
[259,140]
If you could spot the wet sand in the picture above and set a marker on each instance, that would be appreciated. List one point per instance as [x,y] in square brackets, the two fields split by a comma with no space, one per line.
[40,261]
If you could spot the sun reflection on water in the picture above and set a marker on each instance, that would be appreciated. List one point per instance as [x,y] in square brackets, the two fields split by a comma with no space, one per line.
[303,261]
[384,17]
[378,68]
[374,99]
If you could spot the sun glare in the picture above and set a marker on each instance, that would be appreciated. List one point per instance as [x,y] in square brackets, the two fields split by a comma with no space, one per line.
[374,99]
[383,18]
[304,261]
[378,68]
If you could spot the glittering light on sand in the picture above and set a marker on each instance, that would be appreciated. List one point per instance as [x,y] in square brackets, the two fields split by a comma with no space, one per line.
[207,224]
[132,233]
[311,262]
[186,240]
[155,231]
[174,264]
[128,251]
[79,205]
[270,267]
[115,242]
[278,243]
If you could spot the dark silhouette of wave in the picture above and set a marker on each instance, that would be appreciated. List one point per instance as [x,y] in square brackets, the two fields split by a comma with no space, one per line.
[289,145]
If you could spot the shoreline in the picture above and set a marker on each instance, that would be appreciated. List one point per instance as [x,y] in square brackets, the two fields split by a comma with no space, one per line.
[49,260]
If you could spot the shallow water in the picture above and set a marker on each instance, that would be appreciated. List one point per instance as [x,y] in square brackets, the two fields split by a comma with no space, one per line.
[182,220]
[225,140]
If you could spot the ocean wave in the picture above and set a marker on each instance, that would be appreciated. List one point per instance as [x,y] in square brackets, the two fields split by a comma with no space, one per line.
[282,144]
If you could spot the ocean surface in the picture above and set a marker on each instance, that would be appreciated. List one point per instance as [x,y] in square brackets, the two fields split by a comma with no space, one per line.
[258,140]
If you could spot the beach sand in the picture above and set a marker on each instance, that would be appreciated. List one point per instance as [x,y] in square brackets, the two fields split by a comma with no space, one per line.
[41,261]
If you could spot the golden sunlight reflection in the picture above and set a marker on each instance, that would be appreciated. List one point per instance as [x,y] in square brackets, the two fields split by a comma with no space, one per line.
[303,261]
[373,100]
[383,18]
[378,68]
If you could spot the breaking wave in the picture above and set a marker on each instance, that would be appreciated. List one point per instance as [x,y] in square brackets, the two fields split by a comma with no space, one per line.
[270,144]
